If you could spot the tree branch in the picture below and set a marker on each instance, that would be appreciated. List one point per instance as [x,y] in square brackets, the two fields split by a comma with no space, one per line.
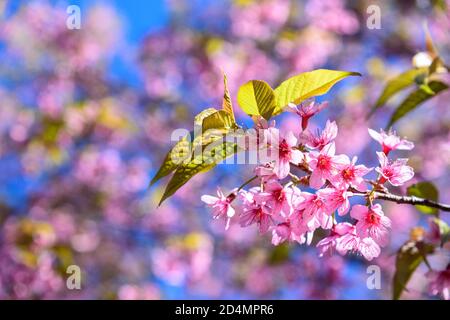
[411,200]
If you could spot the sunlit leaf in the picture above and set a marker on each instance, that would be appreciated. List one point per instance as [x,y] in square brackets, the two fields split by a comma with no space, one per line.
[200,163]
[198,120]
[208,119]
[307,85]
[179,153]
[218,120]
[226,103]
[409,257]
[416,98]
[256,97]
[397,84]
[425,190]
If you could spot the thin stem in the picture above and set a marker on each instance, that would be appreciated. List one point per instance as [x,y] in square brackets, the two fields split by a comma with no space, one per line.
[246,183]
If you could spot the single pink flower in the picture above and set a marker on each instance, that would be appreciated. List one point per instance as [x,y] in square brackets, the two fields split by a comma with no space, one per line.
[282,151]
[439,283]
[324,165]
[221,205]
[285,232]
[351,175]
[328,244]
[390,141]
[368,248]
[313,212]
[336,199]
[254,211]
[306,110]
[277,197]
[350,242]
[371,223]
[320,139]
[396,172]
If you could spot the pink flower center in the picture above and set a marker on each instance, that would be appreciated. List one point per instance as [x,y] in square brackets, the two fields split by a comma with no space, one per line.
[324,162]
[348,174]
[387,172]
[372,218]
[279,195]
[285,150]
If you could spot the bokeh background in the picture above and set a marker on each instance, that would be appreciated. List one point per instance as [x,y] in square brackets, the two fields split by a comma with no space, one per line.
[86,118]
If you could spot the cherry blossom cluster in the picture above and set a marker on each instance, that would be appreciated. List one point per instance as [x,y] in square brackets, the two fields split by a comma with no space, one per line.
[279,206]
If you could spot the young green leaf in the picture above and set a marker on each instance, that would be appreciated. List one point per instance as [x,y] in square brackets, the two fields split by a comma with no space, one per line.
[307,85]
[256,98]
[415,98]
[179,153]
[182,151]
[425,190]
[226,103]
[201,163]
[397,84]
[198,120]
[218,120]
[409,257]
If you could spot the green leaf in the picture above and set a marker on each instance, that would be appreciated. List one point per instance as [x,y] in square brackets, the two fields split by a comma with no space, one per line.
[226,103]
[409,257]
[425,190]
[179,153]
[198,120]
[307,85]
[279,254]
[182,151]
[218,120]
[256,97]
[397,84]
[202,162]
[416,98]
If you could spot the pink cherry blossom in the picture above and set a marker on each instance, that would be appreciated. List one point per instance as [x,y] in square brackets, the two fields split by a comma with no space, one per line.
[324,165]
[351,175]
[348,241]
[390,141]
[368,248]
[351,242]
[254,211]
[439,283]
[371,223]
[286,232]
[282,151]
[221,205]
[320,139]
[328,244]
[396,172]
[313,212]
[277,197]
[306,110]
[336,199]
